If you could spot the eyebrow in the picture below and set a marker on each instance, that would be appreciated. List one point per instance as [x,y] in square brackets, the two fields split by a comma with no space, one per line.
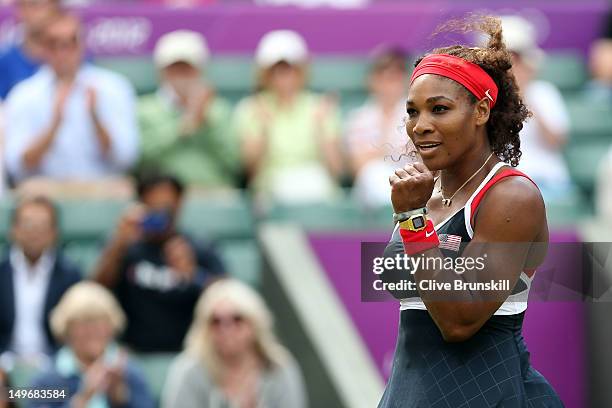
[431,99]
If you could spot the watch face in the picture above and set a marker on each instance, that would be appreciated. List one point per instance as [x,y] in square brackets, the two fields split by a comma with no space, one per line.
[418,222]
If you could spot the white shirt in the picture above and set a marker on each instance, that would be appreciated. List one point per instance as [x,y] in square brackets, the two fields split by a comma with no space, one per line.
[545,165]
[366,126]
[75,153]
[30,283]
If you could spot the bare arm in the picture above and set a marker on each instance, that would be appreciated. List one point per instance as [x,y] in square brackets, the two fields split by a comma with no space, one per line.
[106,272]
[501,233]
[34,154]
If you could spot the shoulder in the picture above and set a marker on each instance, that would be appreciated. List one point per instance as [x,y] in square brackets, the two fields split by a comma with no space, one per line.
[29,88]
[515,201]
[67,269]
[188,368]
[246,104]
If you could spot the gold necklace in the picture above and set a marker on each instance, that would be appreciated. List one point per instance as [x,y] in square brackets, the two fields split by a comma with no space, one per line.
[446,202]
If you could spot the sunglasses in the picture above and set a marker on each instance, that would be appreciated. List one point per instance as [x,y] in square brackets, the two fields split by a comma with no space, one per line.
[56,44]
[228,320]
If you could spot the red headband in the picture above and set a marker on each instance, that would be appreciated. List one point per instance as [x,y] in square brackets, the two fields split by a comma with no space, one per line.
[468,74]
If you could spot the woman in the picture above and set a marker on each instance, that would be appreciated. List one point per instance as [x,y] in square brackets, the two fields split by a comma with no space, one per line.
[373,131]
[287,132]
[231,358]
[90,366]
[464,117]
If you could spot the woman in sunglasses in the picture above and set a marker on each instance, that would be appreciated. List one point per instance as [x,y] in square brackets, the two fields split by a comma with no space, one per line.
[232,358]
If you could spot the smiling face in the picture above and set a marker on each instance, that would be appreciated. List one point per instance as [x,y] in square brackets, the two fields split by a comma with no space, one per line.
[443,121]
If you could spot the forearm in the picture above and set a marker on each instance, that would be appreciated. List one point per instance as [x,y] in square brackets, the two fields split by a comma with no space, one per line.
[107,270]
[332,157]
[34,154]
[253,151]
[102,135]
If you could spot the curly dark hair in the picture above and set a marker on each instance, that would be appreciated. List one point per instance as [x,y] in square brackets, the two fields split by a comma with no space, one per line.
[509,113]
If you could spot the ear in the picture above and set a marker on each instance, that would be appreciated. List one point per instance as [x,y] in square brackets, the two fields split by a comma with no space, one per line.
[482,111]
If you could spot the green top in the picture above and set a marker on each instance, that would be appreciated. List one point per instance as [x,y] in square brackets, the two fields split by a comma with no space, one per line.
[207,158]
[292,132]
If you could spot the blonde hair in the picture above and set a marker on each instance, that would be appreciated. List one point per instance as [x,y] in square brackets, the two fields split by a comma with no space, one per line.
[249,304]
[84,301]
[263,75]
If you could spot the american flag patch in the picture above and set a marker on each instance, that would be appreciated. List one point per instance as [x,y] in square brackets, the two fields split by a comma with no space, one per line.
[450,242]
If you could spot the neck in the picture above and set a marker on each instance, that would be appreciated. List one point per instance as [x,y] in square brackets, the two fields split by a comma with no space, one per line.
[452,178]
[241,361]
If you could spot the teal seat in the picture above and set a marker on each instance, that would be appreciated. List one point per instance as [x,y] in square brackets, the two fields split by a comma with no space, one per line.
[242,259]
[91,220]
[139,70]
[566,70]
[217,217]
[155,367]
[340,215]
[591,121]
[567,210]
[583,160]
[84,254]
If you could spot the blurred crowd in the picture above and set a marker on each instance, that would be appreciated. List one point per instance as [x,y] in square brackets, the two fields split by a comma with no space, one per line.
[68,122]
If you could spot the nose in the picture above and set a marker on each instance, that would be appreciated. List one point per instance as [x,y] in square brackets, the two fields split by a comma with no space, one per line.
[422,125]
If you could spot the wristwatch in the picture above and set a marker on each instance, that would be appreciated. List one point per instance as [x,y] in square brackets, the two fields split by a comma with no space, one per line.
[403,216]
[415,223]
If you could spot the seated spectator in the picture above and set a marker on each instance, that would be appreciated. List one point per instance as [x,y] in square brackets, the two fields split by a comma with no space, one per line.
[33,277]
[603,189]
[289,136]
[71,120]
[375,136]
[545,134]
[21,60]
[184,125]
[90,366]
[599,88]
[231,356]
[156,272]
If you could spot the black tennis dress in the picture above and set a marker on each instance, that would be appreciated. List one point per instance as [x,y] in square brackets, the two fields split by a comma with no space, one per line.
[491,369]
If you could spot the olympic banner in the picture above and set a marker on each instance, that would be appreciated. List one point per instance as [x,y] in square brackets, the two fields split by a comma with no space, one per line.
[124,30]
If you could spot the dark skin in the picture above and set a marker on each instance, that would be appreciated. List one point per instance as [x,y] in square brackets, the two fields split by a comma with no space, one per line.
[440,111]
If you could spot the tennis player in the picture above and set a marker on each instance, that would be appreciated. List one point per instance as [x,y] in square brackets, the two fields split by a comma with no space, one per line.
[459,349]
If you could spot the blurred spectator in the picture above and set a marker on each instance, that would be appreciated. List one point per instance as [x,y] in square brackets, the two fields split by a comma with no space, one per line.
[185,126]
[231,356]
[599,88]
[603,190]
[543,135]
[156,272]
[22,60]
[289,136]
[33,278]
[376,138]
[95,372]
[71,120]
[4,384]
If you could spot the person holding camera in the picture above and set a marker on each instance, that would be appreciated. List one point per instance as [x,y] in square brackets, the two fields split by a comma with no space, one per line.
[156,272]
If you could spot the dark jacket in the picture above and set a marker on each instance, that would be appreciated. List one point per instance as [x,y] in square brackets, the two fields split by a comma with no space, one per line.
[63,275]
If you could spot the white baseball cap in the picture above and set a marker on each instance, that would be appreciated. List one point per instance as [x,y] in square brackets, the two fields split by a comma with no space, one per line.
[281,45]
[520,36]
[181,46]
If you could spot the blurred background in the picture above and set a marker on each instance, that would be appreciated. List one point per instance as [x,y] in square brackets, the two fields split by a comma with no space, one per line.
[186,184]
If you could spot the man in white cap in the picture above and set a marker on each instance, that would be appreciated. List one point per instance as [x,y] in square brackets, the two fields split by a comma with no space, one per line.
[184,126]
[544,135]
[288,135]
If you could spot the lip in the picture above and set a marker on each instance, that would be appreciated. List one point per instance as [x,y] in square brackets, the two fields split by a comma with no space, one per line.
[428,148]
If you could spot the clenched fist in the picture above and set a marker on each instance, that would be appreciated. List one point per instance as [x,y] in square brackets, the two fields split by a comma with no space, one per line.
[411,187]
